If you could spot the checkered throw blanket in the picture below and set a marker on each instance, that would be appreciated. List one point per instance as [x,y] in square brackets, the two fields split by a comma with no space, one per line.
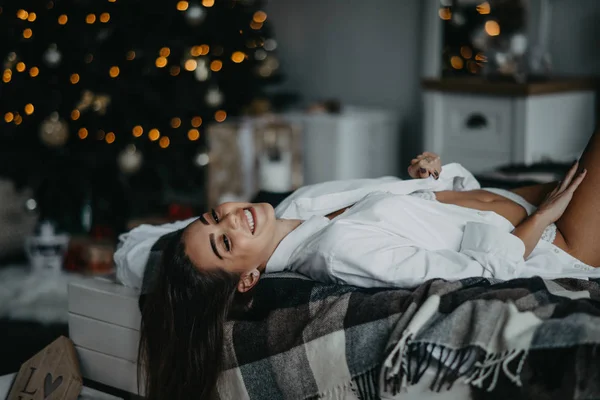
[525,338]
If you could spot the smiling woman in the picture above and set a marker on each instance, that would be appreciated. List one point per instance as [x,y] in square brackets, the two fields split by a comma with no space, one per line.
[236,237]
[382,232]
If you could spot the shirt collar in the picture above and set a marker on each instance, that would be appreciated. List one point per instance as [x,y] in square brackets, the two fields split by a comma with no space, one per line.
[280,258]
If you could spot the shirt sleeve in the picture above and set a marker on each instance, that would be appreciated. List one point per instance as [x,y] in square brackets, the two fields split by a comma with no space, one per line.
[134,248]
[378,260]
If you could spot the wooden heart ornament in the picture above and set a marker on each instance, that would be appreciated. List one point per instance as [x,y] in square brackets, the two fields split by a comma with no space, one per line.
[52,374]
[49,385]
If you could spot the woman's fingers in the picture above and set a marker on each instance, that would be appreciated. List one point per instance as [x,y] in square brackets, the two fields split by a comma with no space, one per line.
[577,181]
[569,177]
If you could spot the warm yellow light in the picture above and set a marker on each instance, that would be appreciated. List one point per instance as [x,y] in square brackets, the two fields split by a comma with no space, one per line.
[457,62]
[492,28]
[27,33]
[62,20]
[190,65]
[20,66]
[164,142]
[161,62]
[204,49]
[18,119]
[75,114]
[196,122]
[165,52]
[104,17]
[74,78]
[174,70]
[130,55]
[193,134]
[220,116]
[110,137]
[480,57]
[445,14]
[90,19]
[137,131]
[484,8]
[196,51]
[29,109]
[237,57]
[32,16]
[154,134]
[466,52]
[182,5]
[83,133]
[260,17]
[175,122]
[208,3]
[6,76]
[255,25]
[112,1]
[216,65]
[114,71]
[34,71]
[8,117]
[22,14]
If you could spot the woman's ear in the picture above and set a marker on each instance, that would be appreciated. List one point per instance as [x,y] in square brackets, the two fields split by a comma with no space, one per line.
[248,280]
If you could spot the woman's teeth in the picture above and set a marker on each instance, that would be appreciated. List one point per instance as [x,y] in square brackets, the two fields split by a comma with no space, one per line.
[250,219]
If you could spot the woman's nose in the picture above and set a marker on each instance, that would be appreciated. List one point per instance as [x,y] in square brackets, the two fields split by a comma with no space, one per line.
[233,220]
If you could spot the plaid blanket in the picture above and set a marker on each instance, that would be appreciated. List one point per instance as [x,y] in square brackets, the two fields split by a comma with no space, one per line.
[525,338]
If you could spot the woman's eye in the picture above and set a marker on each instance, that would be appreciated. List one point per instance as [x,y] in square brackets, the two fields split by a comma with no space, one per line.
[214,215]
[227,243]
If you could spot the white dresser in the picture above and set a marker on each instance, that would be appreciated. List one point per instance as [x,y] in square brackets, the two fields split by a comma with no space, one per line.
[485,125]
[357,143]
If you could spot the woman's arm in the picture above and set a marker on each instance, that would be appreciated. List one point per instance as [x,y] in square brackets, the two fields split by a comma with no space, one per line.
[530,231]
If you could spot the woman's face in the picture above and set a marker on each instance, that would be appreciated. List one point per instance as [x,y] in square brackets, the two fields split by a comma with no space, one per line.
[237,237]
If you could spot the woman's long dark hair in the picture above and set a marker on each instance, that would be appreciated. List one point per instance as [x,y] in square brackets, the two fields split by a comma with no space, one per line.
[181,334]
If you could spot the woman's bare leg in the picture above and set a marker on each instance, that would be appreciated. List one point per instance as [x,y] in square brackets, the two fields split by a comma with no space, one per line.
[579,226]
[535,194]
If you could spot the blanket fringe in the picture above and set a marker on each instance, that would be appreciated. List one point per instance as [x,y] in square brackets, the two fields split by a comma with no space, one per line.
[340,392]
[366,385]
[408,362]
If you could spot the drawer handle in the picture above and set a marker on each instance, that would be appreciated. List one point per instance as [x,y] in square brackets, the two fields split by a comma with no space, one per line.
[476,121]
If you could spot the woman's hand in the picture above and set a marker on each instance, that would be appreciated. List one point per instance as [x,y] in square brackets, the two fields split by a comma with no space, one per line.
[424,165]
[556,202]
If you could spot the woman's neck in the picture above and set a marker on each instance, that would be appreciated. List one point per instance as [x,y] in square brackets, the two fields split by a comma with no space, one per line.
[283,227]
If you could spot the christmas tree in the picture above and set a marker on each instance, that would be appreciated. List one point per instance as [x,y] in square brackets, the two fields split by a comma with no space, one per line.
[100,92]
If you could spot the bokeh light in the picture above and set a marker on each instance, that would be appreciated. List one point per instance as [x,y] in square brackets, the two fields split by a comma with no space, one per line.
[193,134]
[457,62]
[196,122]
[492,28]
[216,65]
[220,116]
[164,142]
[137,131]
[153,134]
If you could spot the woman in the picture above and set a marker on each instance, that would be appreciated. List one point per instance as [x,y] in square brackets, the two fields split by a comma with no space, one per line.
[382,232]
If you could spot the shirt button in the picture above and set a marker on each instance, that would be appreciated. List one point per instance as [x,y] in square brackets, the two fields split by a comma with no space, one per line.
[578,266]
[556,251]
[480,213]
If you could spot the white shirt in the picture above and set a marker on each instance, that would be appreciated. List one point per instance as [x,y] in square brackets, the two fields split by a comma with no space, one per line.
[387,238]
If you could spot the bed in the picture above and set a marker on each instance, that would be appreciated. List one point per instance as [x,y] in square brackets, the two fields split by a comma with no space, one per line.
[474,338]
